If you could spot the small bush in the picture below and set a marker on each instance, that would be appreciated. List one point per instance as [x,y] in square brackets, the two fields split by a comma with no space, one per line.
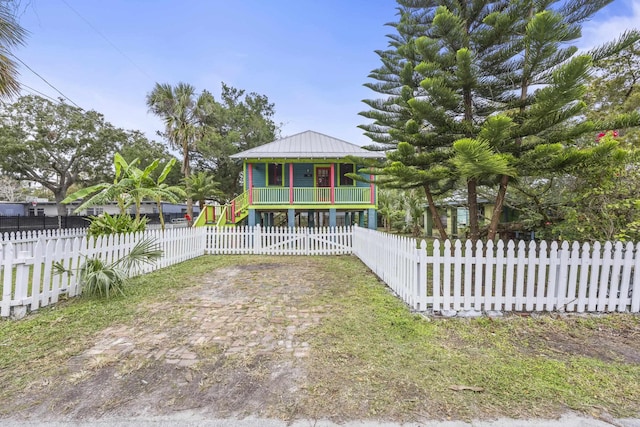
[105,224]
[100,279]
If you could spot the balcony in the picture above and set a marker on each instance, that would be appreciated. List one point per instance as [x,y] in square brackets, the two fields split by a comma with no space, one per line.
[312,196]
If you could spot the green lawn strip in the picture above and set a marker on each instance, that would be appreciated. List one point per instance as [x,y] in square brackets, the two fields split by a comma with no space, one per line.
[39,345]
[379,360]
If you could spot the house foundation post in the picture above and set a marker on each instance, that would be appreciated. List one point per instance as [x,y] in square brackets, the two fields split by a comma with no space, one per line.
[251,219]
[372,217]
[332,217]
[361,219]
[291,218]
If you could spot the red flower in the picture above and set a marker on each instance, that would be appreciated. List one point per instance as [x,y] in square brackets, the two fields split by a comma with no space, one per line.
[187,217]
[601,134]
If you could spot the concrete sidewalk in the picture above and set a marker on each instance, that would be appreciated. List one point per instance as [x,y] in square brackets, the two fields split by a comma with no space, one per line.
[190,419]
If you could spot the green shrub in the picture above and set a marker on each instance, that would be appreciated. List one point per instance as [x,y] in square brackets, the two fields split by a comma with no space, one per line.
[116,224]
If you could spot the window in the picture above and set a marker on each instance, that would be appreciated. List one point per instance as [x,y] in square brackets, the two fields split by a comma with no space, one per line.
[275,174]
[344,169]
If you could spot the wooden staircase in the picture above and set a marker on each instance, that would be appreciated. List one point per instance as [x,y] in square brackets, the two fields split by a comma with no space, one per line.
[225,215]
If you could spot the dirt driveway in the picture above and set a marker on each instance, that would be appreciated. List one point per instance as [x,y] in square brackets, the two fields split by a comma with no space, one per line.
[228,345]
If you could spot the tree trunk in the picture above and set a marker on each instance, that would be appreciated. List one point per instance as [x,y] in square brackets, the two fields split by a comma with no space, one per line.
[186,170]
[61,208]
[434,213]
[160,215]
[497,210]
[472,200]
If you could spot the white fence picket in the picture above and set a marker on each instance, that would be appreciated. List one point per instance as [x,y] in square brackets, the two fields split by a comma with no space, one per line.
[7,280]
[541,275]
[635,297]
[585,262]
[498,299]
[627,271]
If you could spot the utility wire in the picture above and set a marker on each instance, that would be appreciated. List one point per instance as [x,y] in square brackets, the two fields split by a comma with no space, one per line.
[45,80]
[39,93]
[108,41]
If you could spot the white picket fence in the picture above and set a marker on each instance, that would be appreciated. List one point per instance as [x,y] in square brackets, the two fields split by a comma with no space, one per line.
[29,279]
[279,240]
[523,277]
[26,240]
[455,278]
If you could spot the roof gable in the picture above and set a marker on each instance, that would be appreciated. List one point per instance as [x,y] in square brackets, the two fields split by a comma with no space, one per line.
[308,145]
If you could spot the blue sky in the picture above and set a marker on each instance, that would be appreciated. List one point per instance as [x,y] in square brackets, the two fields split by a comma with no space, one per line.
[309,57]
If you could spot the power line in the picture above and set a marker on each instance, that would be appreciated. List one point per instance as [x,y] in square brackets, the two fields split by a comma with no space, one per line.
[45,80]
[39,93]
[108,41]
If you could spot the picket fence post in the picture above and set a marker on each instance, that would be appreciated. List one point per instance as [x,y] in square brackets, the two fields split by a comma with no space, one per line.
[257,240]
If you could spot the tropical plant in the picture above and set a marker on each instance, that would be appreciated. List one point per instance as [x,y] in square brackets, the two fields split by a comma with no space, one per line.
[390,208]
[203,186]
[183,113]
[130,186]
[105,224]
[414,204]
[106,192]
[11,35]
[137,146]
[100,279]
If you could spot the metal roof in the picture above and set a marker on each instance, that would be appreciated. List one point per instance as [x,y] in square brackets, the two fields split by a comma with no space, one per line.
[308,145]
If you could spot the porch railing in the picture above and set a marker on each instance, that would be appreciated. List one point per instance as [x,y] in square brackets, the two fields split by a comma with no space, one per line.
[311,196]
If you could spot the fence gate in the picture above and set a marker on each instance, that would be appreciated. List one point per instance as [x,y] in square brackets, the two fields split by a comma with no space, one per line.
[280,240]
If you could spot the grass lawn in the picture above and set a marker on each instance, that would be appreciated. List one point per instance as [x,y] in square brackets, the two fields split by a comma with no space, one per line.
[402,363]
[370,357]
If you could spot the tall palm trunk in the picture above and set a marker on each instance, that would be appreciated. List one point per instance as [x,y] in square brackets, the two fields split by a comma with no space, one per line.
[186,170]
[160,215]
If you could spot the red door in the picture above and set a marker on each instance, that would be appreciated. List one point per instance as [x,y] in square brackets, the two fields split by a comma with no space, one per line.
[323,177]
[323,180]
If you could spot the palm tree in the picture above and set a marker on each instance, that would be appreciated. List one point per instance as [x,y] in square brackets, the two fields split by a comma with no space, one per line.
[203,186]
[414,204]
[11,35]
[183,113]
[389,202]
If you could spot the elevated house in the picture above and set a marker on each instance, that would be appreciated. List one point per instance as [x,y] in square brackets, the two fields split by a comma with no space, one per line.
[300,180]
